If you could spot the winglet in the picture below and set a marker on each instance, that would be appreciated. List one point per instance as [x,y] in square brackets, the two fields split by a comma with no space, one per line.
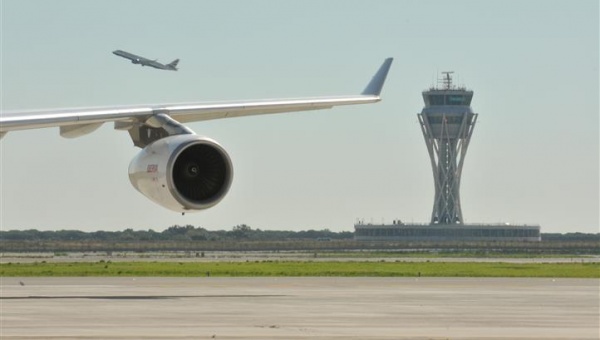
[376,84]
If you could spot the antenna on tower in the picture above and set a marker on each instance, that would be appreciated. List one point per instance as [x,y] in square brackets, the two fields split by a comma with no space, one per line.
[447,79]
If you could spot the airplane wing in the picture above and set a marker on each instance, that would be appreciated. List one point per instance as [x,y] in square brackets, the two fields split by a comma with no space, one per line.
[157,65]
[78,122]
[176,168]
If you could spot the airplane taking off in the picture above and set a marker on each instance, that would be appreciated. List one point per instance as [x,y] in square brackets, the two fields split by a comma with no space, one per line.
[135,59]
[176,168]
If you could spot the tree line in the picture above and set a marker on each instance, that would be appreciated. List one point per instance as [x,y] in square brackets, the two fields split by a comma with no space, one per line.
[174,233]
[245,238]
[238,233]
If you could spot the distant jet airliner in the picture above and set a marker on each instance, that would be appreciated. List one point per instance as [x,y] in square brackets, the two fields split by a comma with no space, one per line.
[136,59]
[176,168]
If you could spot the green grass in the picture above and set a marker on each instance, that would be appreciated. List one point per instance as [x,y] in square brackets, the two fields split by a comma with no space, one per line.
[292,268]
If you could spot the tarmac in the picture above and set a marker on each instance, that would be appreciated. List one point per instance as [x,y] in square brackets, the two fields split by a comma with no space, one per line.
[299,308]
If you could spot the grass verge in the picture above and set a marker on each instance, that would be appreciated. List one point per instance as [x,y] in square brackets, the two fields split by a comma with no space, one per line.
[292,268]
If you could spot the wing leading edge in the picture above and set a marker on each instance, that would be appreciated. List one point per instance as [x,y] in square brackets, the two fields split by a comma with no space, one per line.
[77,122]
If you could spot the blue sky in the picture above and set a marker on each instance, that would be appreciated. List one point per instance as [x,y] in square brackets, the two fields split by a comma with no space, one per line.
[533,65]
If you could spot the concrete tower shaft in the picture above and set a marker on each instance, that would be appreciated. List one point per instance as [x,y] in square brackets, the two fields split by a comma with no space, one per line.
[447,123]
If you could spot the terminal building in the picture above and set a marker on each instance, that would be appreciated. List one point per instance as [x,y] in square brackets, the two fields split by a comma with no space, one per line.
[447,122]
[447,232]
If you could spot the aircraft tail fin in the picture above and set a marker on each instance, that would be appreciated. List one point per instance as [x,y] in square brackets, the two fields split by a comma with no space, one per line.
[173,64]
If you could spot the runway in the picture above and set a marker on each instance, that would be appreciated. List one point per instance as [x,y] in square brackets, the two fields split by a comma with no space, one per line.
[299,308]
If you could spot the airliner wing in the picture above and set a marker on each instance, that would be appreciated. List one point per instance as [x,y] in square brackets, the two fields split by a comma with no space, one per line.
[77,122]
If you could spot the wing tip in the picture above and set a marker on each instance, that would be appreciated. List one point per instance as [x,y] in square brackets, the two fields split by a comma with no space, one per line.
[376,84]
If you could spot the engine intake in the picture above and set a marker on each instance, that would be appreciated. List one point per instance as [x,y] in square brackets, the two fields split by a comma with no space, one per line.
[182,172]
[200,172]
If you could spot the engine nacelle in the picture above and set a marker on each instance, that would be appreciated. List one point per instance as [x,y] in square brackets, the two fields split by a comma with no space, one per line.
[182,172]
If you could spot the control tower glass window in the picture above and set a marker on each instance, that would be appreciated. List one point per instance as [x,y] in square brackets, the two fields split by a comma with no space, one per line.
[449,99]
[462,99]
[455,100]
[436,99]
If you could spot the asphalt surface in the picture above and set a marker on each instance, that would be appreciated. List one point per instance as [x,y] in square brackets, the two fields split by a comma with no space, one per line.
[299,308]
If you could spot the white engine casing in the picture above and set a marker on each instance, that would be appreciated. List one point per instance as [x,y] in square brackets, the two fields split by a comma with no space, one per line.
[182,173]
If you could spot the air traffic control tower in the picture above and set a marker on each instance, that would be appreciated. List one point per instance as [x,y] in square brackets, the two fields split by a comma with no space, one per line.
[447,122]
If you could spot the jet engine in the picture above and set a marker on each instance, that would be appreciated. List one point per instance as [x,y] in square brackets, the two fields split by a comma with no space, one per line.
[182,172]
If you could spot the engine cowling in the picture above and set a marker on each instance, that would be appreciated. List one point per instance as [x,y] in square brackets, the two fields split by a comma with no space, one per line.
[182,172]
